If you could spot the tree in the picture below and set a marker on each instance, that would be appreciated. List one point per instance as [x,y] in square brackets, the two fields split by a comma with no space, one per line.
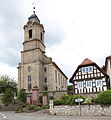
[8,87]
[22,96]
[7,82]
[104,97]
[70,88]
[7,96]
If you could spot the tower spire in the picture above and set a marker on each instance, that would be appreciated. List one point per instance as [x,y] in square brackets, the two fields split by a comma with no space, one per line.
[34,17]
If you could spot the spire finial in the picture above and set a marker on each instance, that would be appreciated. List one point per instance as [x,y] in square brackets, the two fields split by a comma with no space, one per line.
[33,7]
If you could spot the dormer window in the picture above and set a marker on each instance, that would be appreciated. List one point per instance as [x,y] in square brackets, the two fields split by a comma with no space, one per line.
[30,33]
[87,69]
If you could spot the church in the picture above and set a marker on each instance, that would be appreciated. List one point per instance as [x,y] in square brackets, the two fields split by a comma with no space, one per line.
[35,68]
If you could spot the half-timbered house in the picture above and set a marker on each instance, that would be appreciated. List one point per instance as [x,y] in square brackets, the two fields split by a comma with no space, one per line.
[89,78]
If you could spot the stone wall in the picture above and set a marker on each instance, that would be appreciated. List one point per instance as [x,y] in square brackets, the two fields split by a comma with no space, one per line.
[83,110]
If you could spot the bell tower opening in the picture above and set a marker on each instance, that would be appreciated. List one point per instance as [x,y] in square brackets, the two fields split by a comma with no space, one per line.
[41,36]
[30,33]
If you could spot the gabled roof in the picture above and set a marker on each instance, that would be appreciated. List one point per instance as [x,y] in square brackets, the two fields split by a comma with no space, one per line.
[86,62]
[59,69]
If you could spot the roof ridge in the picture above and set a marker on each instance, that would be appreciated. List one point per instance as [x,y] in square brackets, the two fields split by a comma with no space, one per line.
[86,61]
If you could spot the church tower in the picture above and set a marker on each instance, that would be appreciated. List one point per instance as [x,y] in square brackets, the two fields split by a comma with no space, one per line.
[35,68]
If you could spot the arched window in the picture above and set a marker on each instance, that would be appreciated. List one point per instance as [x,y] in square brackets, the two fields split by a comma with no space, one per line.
[46,88]
[29,82]
[45,69]
[45,80]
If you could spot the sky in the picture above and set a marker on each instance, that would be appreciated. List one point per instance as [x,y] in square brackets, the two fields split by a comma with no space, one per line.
[74,30]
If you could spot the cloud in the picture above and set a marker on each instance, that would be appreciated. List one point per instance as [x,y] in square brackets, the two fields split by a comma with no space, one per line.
[10,31]
[75,30]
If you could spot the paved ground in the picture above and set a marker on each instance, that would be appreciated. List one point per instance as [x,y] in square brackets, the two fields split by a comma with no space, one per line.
[41,116]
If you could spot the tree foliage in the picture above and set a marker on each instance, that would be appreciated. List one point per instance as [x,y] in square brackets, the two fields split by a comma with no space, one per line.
[67,99]
[22,96]
[7,82]
[88,100]
[7,96]
[8,87]
[104,97]
[70,88]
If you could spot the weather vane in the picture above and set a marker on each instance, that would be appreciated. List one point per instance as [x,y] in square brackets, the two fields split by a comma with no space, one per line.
[33,7]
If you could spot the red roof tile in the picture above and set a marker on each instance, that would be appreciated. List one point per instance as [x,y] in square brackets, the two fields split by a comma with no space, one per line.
[86,62]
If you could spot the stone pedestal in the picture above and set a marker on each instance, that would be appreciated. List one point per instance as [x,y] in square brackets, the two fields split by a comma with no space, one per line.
[29,101]
[35,95]
[45,100]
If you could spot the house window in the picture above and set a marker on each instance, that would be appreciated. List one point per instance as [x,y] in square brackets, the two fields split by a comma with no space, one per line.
[41,36]
[79,84]
[83,69]
[88,83]
[29,82]
[99,83]
[90,69]
[86,69]
[30,33]
[45,80]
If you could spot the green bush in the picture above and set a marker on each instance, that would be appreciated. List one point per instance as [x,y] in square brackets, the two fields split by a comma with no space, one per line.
[57,102]
[40,99]
[37,108]
[23,105]
[72,98]
[7,96]
[51,97]
[104,97]
[64,98]
[32,107]
[17,108]
[24,109]
[22,96]
[88,100]
[45,93]
[45,107]
[67,99]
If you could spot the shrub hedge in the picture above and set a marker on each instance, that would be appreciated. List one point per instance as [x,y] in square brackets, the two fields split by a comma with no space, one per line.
[67,99]
[104,97]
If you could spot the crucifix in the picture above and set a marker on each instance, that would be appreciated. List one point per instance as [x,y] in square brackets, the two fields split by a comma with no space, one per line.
[33,7]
